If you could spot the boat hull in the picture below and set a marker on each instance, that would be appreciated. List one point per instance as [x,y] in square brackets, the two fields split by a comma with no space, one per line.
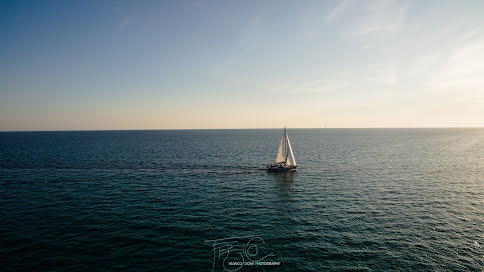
[280,168]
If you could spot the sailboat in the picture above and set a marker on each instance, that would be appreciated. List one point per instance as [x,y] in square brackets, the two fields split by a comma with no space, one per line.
[285,160]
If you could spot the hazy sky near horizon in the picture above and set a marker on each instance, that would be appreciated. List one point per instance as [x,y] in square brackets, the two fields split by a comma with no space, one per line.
[75,65]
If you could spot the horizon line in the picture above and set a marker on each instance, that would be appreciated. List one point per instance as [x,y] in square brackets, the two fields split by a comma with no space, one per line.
[174,129]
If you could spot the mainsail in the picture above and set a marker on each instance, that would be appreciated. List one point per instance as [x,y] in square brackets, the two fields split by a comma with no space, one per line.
[281,155]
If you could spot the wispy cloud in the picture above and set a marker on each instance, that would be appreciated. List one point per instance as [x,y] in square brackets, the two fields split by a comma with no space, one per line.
[124,16]
[384,76]
[228,62]
[338,10]
[424,64]
[124,23]
[381,76]
[463,71]
[451,66]
[379,16]
[251,37]
[319,86]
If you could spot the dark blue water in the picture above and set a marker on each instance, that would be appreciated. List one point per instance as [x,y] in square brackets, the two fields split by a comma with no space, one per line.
[362,199]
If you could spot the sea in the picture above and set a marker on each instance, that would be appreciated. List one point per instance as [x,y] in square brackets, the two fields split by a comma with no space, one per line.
[202,200]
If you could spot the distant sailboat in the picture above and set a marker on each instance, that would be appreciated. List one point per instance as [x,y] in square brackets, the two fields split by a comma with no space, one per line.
[285,160]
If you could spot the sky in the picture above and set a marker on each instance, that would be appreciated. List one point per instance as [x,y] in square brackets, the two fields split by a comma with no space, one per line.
[101,65]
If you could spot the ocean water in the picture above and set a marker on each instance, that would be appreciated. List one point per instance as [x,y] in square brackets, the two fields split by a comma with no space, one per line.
[200,200]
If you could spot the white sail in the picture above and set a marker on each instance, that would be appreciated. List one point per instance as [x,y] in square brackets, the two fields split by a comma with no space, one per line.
[285,160]
[281,156]
[290,156]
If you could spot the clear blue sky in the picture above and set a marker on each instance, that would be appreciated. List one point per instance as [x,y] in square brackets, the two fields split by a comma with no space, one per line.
[68,65]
